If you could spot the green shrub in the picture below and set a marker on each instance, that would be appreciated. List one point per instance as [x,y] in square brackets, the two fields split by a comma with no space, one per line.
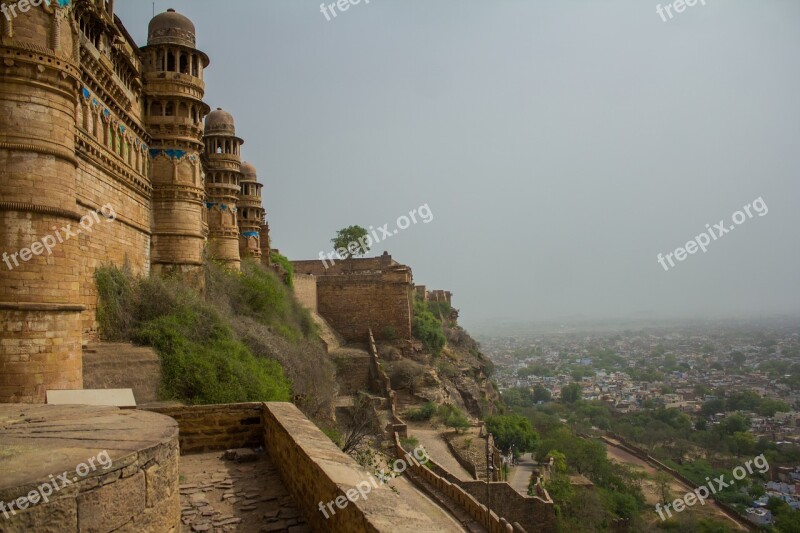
[257,292]
[427,328]
[452,417]
[422,414]
[202,359]
[113,309]
[284,263]
[410,443]
[447,369]
[389,333]
[202,362]
[440,309]
[406,374]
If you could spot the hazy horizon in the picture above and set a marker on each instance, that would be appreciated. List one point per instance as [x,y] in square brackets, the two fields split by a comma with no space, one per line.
[560,146]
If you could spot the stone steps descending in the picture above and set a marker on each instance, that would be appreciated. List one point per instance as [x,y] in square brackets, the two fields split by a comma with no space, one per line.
[352,371]
[332,340]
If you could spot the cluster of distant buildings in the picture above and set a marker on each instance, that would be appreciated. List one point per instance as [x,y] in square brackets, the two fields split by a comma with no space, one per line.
[699,363]
[786,487]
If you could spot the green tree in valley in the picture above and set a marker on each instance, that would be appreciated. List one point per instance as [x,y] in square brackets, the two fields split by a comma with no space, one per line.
[541,394]
[735,423]
[513,430]
[571,393]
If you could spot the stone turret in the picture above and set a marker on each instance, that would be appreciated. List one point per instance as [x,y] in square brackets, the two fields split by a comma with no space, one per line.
[223,174]
[250,213]
[40,299]
[174,111]
[266,248]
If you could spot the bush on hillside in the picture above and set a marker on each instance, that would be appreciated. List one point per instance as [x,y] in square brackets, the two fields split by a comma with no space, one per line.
[452,417]
[405,374]
[285,264]
[231,346]
[427,328]
[423,414]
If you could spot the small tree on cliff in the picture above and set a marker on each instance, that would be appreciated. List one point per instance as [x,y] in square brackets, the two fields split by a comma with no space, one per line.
[352,241]
[359,423]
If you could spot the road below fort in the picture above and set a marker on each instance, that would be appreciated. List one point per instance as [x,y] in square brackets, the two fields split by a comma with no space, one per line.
[520,475]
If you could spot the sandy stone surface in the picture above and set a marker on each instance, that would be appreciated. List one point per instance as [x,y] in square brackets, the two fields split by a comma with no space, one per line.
[219,495]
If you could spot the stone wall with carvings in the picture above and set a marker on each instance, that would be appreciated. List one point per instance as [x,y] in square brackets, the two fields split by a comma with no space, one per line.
[103,162]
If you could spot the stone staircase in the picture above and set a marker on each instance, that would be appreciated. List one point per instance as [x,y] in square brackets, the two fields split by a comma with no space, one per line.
[329,336]
[352,370]
[123,366]
[456,510]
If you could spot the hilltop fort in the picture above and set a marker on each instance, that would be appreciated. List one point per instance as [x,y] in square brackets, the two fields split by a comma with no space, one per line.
[111,158]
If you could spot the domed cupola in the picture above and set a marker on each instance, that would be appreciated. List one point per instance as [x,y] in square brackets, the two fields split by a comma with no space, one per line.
[171,28]
[220,122]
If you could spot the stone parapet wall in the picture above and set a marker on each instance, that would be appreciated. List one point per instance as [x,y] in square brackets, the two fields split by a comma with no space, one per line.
[305,290]
[465,462]
[459,496]
[316,472]
[336,266]
[355,303]
[533,512]
[206,428]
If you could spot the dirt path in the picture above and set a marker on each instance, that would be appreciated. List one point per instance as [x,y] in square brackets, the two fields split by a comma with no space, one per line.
[437,449]
[678,488]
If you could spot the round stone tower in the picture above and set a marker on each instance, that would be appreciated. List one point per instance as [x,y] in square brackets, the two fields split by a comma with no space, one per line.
[223,174]
[40,311]
[250,213]
[174,111]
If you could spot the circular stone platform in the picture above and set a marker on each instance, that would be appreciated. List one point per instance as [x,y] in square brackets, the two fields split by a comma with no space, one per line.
[106,469]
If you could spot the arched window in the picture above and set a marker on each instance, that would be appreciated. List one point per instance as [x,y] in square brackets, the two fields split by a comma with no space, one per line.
[184,63]
[169,110]
[156,110]
[170,61]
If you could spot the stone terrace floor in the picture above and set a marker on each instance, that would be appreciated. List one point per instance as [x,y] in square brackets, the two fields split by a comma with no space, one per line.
[219,495]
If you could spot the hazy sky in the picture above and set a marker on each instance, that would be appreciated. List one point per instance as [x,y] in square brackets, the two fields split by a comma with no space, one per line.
[560,145]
